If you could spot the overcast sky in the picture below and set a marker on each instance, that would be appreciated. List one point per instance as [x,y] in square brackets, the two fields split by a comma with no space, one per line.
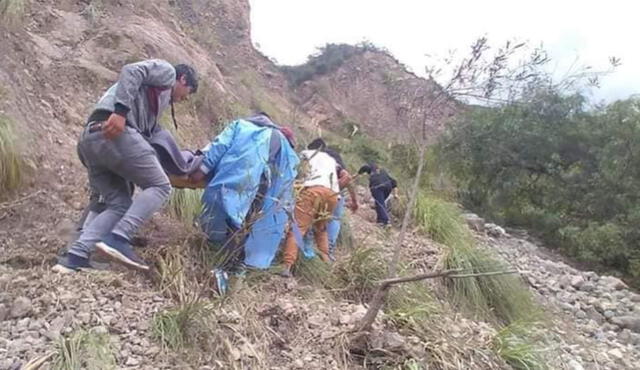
[592,31]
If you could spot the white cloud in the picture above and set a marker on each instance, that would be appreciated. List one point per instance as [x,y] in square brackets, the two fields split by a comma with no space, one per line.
[290,30]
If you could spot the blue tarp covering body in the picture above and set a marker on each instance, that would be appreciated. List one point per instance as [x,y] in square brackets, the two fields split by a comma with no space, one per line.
[238,158]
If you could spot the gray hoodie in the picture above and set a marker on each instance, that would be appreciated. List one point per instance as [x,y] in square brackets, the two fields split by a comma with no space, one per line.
[142,93]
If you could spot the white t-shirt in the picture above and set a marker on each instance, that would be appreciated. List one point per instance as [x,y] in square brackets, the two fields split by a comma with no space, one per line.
[321,171]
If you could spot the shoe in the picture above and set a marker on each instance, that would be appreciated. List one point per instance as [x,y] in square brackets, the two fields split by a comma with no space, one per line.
[119,250]
[221,281]
[286,272]
[70,263]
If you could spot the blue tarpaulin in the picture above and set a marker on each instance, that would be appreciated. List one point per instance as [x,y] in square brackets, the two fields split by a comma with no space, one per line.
[242,158]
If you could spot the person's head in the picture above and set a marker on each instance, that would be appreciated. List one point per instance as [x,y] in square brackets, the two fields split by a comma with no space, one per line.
[317,144]
[186,82]
[367,168]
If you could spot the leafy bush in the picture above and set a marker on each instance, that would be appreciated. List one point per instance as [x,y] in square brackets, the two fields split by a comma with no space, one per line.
[551,164]
[328,59]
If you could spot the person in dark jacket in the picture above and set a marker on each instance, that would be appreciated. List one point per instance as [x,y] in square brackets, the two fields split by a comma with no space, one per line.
[381,185]
[115,148]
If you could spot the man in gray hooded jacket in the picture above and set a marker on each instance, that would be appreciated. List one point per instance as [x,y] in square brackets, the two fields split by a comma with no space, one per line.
[115,148]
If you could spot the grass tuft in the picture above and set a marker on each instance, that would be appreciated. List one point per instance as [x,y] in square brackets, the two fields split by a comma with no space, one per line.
[409,303]
[503,297]
[315,271]
[186,205]
[10,162]
[514,345]
[12,11]
[358,275]
[178,328]
[84,350]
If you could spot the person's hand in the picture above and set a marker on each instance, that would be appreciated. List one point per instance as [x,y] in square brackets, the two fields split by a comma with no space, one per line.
[353,206]
[197,177]
[114,126]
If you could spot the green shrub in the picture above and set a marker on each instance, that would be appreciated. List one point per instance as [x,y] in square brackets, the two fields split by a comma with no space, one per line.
[10,162]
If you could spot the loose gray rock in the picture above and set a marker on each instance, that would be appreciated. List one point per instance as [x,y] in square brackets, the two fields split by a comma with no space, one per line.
[474,221]
[132,361]
[577,281]
[574,365]
[627,322]
[4,312]
[588,287]
[21,307]
[612,283]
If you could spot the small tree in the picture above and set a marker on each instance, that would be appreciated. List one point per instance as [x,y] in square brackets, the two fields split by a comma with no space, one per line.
[487,76]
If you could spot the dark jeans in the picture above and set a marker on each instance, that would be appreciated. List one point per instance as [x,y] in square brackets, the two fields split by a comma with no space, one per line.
[380,195]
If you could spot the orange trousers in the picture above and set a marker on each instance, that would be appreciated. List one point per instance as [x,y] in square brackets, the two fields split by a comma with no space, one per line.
[314,207]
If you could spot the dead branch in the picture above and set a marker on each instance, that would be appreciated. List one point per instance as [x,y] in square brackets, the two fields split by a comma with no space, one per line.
[381,293]
[19,200]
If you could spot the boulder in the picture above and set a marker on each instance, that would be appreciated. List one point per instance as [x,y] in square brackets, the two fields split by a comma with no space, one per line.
[494,230]
[474,221]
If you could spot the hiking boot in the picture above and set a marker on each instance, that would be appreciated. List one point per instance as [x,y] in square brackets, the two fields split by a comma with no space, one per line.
[286,272]
[70,263]
[119,250]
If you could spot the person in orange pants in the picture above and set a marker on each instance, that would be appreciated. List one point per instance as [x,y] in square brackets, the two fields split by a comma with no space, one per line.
[314,205]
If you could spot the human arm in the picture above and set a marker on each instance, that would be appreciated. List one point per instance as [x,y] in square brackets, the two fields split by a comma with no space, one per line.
[344,180]
[152,72]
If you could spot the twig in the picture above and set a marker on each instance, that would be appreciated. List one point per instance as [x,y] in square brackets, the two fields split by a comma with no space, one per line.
[19,200]
[406,279]
[491,273]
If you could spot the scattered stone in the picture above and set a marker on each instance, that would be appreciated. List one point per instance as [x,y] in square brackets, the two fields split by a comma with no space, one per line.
[613,283]
[4,312]
[588,287]
[577,281]
[574,365]
[21,307]
[132,361]
[627,322]
[616,353]
[474,221]
[494,230]
[608,314]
